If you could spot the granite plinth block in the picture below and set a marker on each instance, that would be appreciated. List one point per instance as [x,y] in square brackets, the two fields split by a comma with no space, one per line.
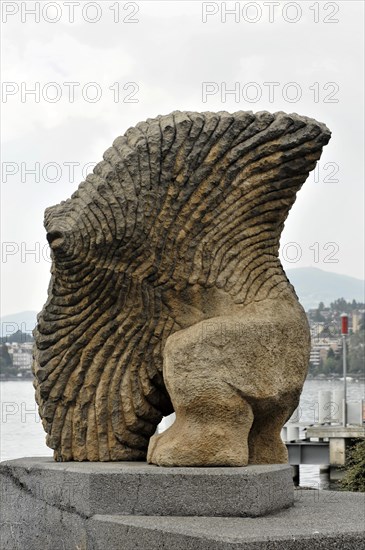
[75,506]
[137,488]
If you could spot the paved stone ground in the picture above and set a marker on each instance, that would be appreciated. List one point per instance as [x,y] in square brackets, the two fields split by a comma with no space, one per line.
[319,520]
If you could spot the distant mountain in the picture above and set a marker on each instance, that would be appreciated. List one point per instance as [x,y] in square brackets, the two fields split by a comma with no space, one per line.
[314,285]
[25,321]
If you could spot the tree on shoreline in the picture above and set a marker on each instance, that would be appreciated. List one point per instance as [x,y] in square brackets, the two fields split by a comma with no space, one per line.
[354,479]
[6,364]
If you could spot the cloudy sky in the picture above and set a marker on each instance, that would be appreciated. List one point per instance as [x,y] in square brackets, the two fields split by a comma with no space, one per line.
[78,74]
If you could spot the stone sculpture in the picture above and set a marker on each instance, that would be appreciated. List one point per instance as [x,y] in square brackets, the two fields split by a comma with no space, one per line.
[167,294]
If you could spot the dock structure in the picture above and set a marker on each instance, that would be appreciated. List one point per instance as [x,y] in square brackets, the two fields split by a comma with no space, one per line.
[324,443]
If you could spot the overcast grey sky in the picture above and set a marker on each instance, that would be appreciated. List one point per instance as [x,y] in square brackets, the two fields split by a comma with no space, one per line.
[98,68]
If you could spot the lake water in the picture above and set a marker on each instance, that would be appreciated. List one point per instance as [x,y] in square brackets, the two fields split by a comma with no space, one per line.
[22,433]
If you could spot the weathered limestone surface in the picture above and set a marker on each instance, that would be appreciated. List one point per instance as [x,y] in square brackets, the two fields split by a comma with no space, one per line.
[167,293]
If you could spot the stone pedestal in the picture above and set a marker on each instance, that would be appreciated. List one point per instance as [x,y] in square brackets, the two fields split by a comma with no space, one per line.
[130,506]
[137,488]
